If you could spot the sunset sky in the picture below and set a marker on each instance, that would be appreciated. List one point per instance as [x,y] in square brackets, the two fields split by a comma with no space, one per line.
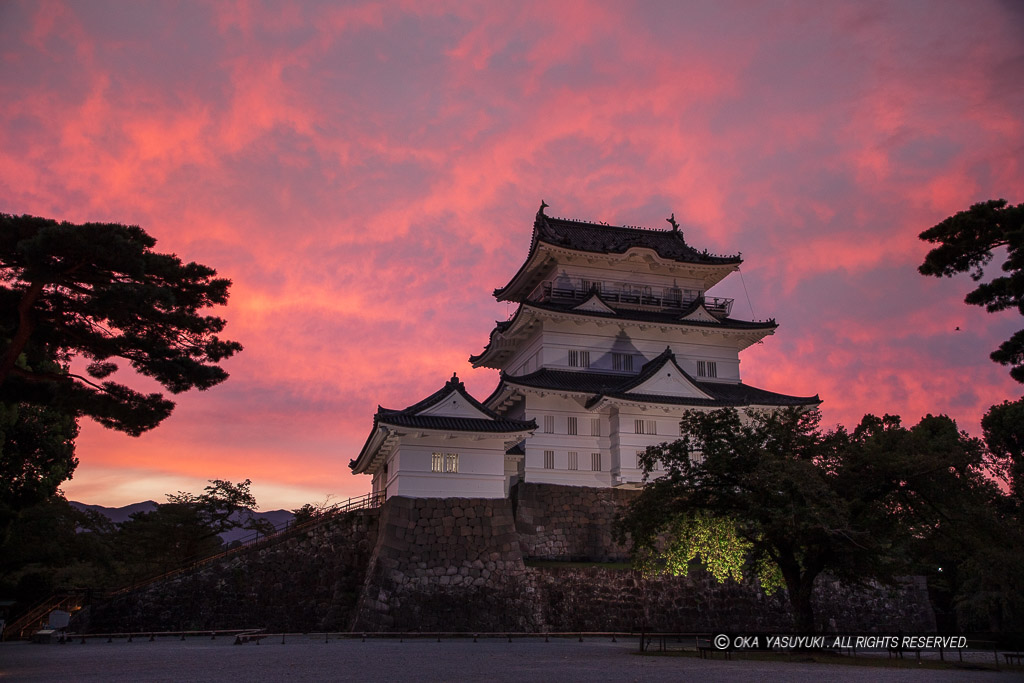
[367,173]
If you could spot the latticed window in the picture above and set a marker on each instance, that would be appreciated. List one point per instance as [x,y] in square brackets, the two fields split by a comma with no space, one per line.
[444,462]
[549,424]
[645,427]
[595,426]
[579,359]
[549,460]
[595,462]
[622,361]
[574,460]
[571,428]
[451,462]
[707,368]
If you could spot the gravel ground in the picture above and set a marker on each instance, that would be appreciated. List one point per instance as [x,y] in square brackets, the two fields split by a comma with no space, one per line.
[303,658]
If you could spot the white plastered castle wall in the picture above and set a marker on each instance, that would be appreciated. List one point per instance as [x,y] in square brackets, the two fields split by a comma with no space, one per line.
[550,347]
[554,411]
[481,467]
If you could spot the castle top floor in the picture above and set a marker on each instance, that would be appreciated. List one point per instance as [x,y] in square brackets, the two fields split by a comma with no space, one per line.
[627,264]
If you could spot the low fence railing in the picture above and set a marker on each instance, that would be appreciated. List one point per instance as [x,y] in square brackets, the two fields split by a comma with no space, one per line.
[280,532]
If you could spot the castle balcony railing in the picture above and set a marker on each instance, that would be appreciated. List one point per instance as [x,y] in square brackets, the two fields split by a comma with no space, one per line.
[564,290]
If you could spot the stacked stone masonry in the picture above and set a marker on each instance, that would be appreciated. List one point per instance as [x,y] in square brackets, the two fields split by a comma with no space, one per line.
[447,564]
[308,581]
[453,564]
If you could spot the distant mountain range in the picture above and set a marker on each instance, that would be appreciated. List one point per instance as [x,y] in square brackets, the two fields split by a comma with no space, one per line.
[121,514]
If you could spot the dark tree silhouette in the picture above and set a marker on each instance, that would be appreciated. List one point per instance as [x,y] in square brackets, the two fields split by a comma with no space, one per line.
[966,241]
[98,292]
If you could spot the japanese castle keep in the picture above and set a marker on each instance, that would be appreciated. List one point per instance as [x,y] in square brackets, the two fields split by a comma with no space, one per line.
[613,339]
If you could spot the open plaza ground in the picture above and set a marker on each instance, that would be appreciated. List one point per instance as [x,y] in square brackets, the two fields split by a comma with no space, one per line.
[310,658]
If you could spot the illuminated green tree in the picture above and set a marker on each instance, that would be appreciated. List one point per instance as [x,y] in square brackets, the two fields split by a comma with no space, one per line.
[771,494]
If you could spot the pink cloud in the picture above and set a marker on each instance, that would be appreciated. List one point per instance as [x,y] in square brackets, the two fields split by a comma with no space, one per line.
[367,174]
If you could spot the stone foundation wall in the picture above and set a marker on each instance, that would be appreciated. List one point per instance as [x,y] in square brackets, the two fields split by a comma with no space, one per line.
[463,565]
[593,599]
[447,564]
[569,522]
[309,581]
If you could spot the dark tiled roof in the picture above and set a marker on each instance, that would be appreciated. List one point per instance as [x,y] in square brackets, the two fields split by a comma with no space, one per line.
[454,384]
[617,386]
[631,315]
[610,239]
[407,417]
[667,317]
[566,380]
[613,239]
[454,424]
[742,394]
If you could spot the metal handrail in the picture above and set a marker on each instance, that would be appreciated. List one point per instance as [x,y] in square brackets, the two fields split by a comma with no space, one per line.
[39,611]
[639,295]
[281,531]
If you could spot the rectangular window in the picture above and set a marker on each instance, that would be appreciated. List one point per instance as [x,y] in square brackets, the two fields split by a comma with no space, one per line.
[549,424]
[549,460]
[571,426]
[444,462]
[622,361]
[574,460]
[579,359]
[707,368]
[636,460]
[595,426]
[595,462]
[645,427]
[696,457]
[451,462]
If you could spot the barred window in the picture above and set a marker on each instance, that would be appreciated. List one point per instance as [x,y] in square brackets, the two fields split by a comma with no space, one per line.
[444,462]
[595,426]
[549,424]
[549,460]
[571,427]
[707,368]
[574,460]
[622,361]
[645,427]
[579,359]
[595,462]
